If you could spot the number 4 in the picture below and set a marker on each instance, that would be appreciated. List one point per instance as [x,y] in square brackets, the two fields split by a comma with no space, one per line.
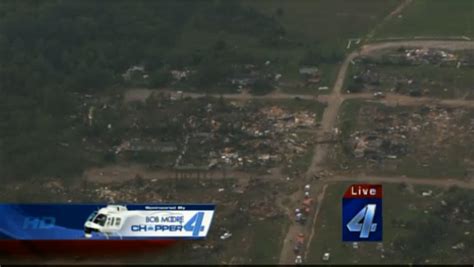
[195,224]
[366,215]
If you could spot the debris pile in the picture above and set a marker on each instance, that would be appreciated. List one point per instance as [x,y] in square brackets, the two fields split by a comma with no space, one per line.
[180,75]
[415,72]
[264,209]
[310,74]
[428,56]
[138,70]
[207,133]
[376,145]
[395,135]
[149,144]
[248,136]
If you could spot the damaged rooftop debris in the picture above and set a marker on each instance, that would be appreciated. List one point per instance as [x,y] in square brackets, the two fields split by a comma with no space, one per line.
[209,133]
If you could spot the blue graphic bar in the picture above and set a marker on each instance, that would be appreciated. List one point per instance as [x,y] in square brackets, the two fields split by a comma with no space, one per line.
[102,221]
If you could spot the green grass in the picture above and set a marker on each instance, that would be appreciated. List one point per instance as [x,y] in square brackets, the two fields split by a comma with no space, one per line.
[451,166]
[294,83]
[399,203]
[432,18]
[267,241]
[320,24]
[440,81]
[329,22]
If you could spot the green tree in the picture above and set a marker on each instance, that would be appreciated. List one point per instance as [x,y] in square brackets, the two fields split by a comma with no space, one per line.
[160,78]
[210,73]
[261,87]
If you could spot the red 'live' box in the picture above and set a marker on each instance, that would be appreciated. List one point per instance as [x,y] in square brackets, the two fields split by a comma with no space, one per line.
[364,191]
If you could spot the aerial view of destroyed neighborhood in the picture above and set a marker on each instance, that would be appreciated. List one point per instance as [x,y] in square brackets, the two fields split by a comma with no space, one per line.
[268,109]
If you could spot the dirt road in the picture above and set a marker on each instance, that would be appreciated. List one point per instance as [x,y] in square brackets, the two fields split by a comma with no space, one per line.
[439,182]
[122,173]
[143,94]
[336,97]
[395,12]
[390,99]
[329,120]
[404,100]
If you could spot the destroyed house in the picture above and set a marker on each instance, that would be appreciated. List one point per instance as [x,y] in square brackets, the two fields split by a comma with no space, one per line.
[127,75]
[310,71]
[244,80]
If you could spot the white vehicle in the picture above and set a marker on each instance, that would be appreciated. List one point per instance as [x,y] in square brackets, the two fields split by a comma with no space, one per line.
[307,188]
[226,235]
[326,256]
[298,260]
[379,94]
[108,220]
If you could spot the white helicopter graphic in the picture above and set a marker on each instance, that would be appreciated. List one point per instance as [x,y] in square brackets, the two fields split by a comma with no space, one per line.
[110,220]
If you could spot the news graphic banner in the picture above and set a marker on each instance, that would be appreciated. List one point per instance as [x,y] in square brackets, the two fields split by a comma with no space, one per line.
[92,221]
[362,213]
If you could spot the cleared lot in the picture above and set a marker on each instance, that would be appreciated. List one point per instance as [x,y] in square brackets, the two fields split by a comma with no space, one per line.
[434,18]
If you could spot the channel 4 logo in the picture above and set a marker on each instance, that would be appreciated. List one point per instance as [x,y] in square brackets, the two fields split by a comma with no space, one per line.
[362,213]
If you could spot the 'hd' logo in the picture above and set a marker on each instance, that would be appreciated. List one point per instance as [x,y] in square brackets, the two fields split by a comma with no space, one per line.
[39,222]
[362,213]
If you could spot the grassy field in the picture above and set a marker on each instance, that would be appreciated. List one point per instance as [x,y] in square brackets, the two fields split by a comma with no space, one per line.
[432,18]
[405,213]
[326,24]
[438,81]
[321,25]
[293,83]
[329,22]
[426,157]
[267,241]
